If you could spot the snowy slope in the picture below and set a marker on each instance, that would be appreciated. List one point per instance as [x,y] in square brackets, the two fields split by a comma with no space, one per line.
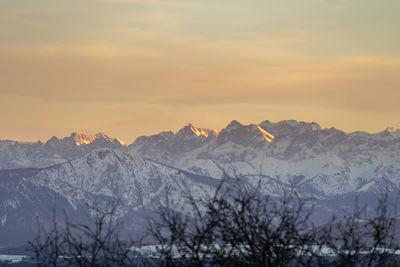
[101,175]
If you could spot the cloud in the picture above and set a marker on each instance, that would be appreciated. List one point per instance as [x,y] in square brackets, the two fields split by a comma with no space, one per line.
[144,61]
[184,3]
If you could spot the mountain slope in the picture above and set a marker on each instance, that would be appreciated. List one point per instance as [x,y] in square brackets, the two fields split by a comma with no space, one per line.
[101,175]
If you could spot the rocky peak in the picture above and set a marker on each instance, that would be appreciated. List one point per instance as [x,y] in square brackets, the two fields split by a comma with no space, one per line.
[251,134]
[191,130]
[81,139]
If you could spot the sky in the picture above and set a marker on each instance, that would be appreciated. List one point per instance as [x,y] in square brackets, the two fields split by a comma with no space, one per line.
[138,67]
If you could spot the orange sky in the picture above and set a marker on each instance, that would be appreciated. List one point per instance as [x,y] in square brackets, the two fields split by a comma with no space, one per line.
[135,67]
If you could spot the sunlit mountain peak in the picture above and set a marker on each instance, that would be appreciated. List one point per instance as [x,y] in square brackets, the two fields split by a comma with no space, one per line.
[202,131]
[316,126]
[392,129]
[80,138]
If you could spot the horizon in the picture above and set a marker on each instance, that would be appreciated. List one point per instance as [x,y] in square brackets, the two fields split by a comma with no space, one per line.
[136,67]
[187,124]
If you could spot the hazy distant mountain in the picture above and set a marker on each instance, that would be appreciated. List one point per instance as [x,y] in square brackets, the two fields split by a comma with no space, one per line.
[15,154]
[325,164]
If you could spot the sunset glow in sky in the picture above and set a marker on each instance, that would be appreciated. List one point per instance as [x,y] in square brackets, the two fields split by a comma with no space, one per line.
[137,67]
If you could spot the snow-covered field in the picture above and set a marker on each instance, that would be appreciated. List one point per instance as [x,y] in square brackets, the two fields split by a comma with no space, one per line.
[12,258]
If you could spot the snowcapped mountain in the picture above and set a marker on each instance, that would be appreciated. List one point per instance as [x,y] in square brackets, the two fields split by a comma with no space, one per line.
[15,154]
[108,173]
[103,174]
[325,164]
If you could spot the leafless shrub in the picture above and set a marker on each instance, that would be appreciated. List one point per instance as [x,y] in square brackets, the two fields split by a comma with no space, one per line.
[96,243]
[363,240]
[237,226]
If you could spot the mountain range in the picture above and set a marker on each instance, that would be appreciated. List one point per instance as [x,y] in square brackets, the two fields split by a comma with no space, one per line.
[14,154]
[326,165]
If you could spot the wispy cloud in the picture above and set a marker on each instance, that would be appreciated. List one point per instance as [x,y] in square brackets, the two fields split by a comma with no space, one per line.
[208,60]
[162,2]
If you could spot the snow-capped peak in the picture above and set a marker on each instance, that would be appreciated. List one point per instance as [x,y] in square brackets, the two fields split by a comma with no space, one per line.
[244,134]
[203,131]
[81,139]
[316,126]
[190,129]
[392,130]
